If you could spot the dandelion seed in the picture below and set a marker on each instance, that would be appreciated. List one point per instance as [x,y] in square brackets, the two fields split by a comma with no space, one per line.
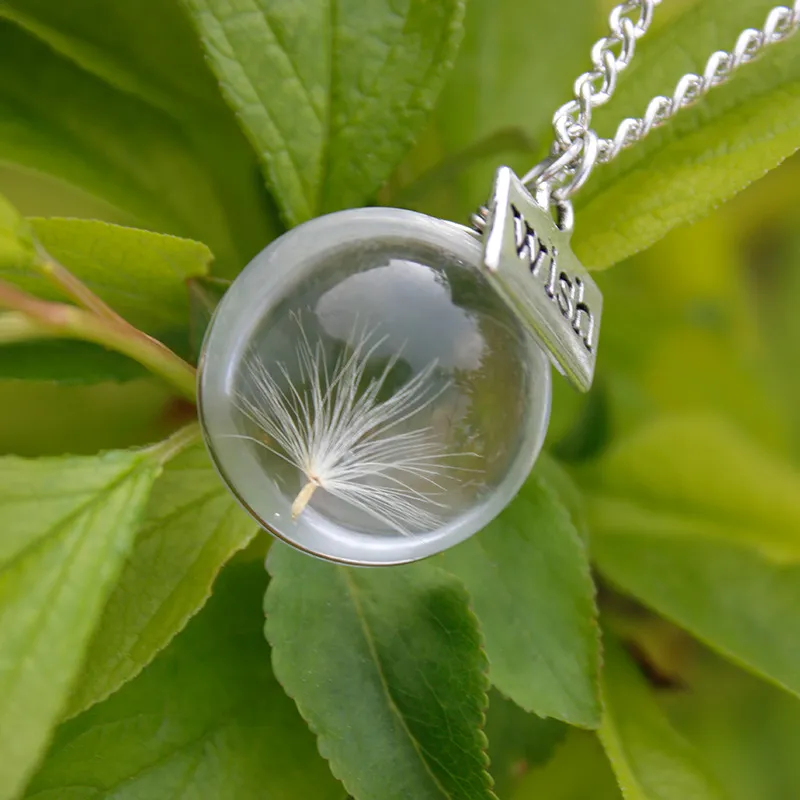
[347,441]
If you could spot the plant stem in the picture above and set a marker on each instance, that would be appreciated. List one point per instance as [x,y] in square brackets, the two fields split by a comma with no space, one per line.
[69,322]
[85,297]
[15,327]
[74,288]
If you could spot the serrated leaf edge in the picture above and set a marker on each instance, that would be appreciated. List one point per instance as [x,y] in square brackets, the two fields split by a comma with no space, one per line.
[481,737]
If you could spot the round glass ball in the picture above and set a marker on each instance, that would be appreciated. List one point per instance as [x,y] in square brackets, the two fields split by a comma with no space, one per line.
[365,393]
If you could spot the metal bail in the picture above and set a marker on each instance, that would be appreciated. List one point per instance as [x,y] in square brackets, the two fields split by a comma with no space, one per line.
[529,261]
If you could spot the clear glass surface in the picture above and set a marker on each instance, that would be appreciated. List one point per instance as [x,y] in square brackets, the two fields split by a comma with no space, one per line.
[365,394]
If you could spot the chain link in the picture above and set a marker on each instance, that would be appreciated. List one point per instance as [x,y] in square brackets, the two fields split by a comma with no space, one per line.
[577,148]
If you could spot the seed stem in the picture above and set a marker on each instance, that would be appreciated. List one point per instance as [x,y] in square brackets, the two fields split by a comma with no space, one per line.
[303,499]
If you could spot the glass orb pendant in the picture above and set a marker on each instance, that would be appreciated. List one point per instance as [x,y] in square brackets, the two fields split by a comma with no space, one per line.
[366,393]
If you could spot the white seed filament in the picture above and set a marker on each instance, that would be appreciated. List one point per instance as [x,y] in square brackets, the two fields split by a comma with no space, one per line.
[330,424]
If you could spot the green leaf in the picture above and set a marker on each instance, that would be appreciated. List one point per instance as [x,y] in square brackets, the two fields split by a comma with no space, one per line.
[70,363]
[704,528]
[16,242]
[731,597]
[57,119]
[579,770]
[719,714]
[141,275]
[518,741]
[192,528]
[651,760]
[554,474]
[206,720]
[150,50]
[498,103]
[330,94]
[453,167]
[776,300]
[67,524]
[703,156]
[496,67]
[681,334]
[147,48]
[204,296]
[696,476]
[386,667]
[90,419]
[528,575]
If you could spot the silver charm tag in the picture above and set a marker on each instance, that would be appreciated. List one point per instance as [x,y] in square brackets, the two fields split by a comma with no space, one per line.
[529,261]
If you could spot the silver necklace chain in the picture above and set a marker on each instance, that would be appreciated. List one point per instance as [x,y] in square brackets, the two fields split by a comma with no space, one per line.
[577,149]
